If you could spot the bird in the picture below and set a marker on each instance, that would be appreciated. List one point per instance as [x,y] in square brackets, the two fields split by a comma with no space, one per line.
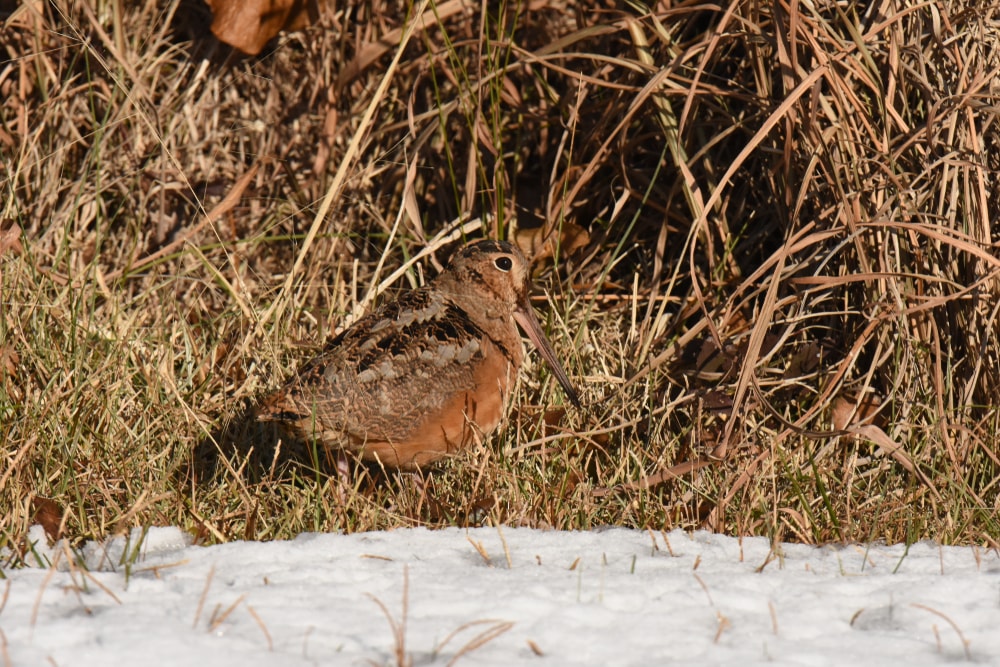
[424,375]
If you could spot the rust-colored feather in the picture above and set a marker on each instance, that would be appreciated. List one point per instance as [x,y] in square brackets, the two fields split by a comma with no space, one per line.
[418,378]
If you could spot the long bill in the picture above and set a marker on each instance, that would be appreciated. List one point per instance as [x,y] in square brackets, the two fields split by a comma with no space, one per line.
[525,316]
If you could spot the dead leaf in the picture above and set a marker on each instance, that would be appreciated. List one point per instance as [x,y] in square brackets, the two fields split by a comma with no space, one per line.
[249,25]
[48,514]
[716,400]
[541,243]
[851,410]
[8,360]
[10,237]
[327,139]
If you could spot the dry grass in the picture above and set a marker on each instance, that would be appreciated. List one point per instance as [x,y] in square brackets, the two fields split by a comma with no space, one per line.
[766,233]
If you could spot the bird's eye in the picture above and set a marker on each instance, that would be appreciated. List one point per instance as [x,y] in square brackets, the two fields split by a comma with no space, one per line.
[503,263]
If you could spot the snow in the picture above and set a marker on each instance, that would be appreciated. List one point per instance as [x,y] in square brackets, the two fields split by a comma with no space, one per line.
[500,596]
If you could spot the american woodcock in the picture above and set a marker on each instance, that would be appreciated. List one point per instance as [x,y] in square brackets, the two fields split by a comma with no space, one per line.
[422,375]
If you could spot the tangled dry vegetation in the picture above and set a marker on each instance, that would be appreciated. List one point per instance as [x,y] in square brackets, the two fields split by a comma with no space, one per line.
[765,233]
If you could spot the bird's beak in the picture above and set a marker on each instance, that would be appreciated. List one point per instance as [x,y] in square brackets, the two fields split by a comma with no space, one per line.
[525,316]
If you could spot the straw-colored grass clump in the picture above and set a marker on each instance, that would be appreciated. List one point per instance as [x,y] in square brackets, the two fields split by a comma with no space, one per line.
[765,233]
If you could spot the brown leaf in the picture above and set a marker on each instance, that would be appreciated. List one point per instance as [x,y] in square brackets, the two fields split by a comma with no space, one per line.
[8,360]
[249,25]
[10,237]
[716,400]
[48,514]
[852,410]
[540,243]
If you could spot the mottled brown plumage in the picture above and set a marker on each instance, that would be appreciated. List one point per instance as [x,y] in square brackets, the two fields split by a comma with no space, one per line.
[417,378]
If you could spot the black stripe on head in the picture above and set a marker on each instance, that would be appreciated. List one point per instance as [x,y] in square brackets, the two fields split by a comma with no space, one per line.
[490,246]
[487,246]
